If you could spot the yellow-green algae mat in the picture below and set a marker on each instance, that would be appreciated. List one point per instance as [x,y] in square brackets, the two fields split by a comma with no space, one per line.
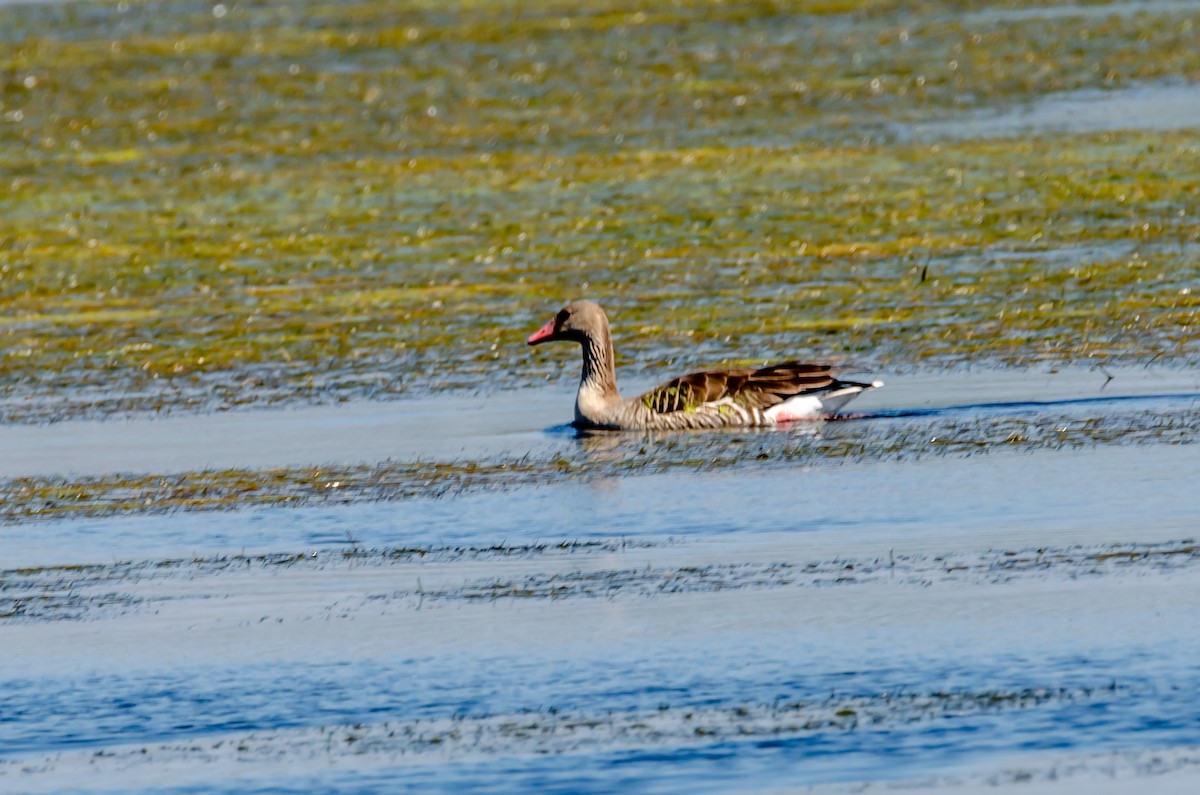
[207,205]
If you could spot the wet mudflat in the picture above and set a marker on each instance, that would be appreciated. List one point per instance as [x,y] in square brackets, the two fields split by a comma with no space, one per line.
[287,506]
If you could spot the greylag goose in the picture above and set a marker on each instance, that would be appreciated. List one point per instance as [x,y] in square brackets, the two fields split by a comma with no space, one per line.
[710,399]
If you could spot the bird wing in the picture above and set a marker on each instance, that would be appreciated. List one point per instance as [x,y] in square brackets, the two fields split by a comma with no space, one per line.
[759,389]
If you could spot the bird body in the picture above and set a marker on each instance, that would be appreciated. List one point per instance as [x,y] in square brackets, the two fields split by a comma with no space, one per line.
[745,397]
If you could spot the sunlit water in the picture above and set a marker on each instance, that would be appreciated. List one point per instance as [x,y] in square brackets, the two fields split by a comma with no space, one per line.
[1169,106]
[165,673]
[197,664]
[473,427]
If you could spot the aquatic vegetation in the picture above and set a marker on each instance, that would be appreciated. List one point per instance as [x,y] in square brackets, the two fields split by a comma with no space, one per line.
[555,731]
[310,202]
[209,205]
[84,591]
[77,591]
[596,457]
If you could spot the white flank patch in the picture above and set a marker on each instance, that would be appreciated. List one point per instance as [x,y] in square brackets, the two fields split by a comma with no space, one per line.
[801,407]
[813,407]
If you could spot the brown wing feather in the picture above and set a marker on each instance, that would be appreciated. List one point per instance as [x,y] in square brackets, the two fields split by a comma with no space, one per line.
[772,385]
[759,389]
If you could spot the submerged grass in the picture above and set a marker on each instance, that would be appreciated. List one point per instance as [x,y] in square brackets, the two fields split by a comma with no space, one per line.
[312,201]
[594,458]
[547,731]
[77,592]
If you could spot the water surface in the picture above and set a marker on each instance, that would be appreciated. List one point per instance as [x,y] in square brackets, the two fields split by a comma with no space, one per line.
[818,624]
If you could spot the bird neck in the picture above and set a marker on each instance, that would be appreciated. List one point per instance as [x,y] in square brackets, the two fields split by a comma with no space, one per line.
[599,373]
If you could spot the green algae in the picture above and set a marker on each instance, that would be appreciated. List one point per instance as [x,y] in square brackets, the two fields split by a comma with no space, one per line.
[315,201]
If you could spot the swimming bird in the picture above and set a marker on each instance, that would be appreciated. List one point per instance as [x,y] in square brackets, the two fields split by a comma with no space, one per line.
[709,399]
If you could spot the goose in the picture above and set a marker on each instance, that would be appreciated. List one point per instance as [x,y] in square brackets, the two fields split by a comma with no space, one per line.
[739,397]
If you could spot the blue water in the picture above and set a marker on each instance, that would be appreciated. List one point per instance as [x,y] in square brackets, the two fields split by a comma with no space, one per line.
[1048,492]
[209,663]
[199,703]
[47,715]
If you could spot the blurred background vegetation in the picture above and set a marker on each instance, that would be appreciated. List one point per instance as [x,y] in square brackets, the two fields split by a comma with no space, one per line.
[212,204]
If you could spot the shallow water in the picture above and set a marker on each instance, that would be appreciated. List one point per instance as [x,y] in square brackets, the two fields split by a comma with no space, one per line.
[1083,11]
[701,631]
[1168,106]
[982,578]
[476,427]
[1000,499]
